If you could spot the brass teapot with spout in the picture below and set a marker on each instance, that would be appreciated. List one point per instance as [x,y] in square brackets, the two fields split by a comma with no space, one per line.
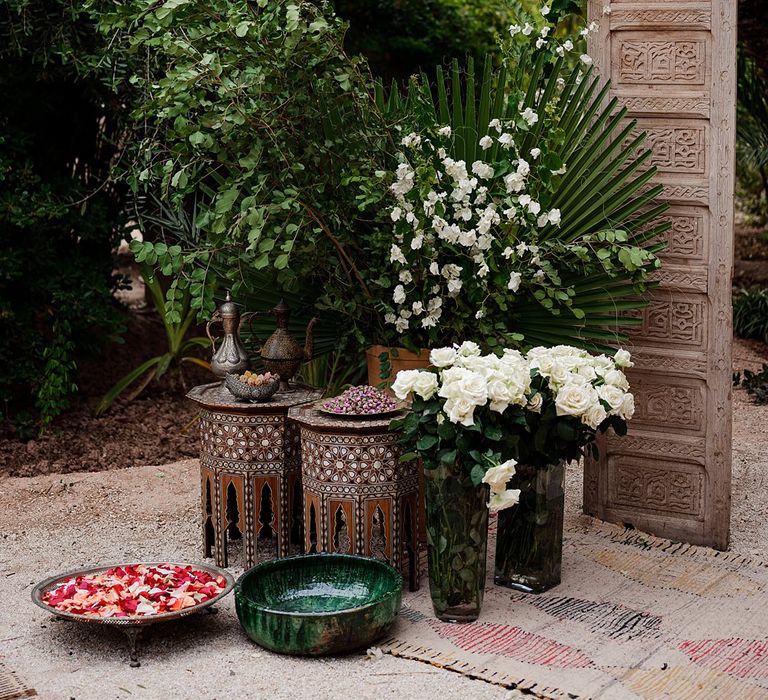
[281,354]
[231,355]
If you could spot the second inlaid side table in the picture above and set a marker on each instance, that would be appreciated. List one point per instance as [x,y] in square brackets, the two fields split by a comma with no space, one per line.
[358,497]
[250,473]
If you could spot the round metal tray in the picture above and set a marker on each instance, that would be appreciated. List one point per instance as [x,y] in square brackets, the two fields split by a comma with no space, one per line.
[130,625]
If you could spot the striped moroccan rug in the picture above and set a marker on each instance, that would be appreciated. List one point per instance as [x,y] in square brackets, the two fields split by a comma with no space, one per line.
[635,617]
[11,686]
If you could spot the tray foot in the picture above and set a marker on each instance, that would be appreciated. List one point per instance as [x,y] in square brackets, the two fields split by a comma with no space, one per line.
[134,635]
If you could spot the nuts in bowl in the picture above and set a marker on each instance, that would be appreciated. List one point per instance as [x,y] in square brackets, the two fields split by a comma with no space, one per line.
[253,386]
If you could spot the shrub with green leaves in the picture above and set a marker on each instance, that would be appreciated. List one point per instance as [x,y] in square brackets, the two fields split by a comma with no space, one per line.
[750,314]
[522,204]
[403,37]
[253,115]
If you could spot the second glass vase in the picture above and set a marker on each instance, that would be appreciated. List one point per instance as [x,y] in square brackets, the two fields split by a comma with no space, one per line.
[529,544]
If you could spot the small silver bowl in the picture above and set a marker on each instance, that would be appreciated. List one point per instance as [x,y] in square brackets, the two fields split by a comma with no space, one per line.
[247,392]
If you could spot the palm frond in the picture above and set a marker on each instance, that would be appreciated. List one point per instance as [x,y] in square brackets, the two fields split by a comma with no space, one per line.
[607,184]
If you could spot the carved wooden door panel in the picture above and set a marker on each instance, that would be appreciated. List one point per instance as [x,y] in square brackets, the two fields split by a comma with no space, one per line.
[673,65]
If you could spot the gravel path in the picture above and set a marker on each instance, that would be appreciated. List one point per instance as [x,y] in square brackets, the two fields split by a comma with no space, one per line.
[57,522]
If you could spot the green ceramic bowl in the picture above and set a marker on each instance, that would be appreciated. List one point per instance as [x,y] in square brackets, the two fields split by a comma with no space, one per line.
[318,604]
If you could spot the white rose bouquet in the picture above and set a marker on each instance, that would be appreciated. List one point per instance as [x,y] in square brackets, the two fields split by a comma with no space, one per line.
[482,425]
[489,412]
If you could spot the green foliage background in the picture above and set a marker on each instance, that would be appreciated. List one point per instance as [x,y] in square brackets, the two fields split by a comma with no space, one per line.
[59,213]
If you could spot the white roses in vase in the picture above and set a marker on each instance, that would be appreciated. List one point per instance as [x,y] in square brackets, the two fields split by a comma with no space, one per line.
[490,411]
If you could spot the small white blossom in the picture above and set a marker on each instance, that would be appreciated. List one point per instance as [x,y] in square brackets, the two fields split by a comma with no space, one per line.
[396,255]
[454,286]
[514,281]
[514,29]
[585,59]
[538,275]
[398,296]
[401,325]
[568,45]
[545,10]
[390,318]
[554,216]
[482,170]
[508,252]
[495,124]
[479,313]
[529,116]
[506,139]
[545,30]
[405,276]
[540,42]
[418,308]
[411,140]
[444,131]
[396,213]
[486,142]
[527,29]
[535,153]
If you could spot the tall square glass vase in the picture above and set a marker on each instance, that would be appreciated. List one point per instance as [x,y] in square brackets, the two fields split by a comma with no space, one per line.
[457,542]
[529,544]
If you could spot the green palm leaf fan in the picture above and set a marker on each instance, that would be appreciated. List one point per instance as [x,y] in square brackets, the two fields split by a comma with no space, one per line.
[606,188]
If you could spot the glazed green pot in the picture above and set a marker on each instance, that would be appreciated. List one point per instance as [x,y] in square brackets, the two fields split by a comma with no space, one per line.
[318,604]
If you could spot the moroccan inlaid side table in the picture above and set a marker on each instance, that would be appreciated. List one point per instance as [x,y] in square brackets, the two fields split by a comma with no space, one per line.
[358,497]
[250,473]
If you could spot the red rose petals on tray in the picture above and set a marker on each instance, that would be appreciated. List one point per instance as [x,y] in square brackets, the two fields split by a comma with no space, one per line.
[137,590]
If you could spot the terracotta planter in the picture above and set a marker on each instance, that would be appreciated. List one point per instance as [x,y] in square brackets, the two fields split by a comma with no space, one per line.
[399,359]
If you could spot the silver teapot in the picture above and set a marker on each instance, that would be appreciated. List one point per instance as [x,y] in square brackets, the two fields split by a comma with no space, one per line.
[231,355]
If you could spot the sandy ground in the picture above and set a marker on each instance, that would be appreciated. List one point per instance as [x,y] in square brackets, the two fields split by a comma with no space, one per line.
[56,522]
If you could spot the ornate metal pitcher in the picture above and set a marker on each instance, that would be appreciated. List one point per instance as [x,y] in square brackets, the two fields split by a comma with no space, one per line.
[281,354]
[231,355]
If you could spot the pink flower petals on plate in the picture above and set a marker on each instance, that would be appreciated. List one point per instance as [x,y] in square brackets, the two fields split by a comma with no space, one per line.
[137,590]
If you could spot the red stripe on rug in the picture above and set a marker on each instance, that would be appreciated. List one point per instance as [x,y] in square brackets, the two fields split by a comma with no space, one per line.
[743,658]
[512,642]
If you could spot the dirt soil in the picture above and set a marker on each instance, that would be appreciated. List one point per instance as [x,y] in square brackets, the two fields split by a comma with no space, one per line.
[155,428]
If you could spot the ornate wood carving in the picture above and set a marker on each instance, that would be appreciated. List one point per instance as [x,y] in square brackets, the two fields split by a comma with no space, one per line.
[672,63]
[366,500]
